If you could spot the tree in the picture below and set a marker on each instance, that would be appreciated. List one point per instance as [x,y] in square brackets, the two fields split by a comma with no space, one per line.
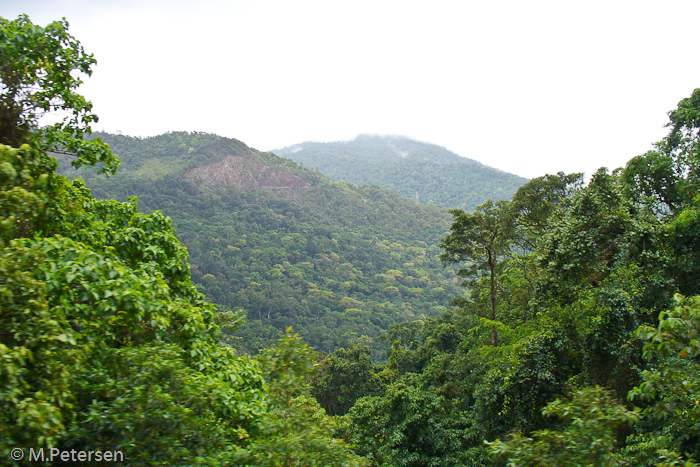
[589,437]
[295,431]
[656,176]
[534,203]
[108,285]
[481,238]
[670,175]
[599,231]
[344,377]
[410,426]
[531,212]
[672,384]
[40,71]
[683,141]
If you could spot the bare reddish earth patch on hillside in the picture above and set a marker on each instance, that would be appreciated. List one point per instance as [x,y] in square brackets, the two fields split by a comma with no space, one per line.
[244,171]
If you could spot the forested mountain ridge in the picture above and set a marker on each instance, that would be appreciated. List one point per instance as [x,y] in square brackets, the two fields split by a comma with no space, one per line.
[408,167]
[107,351]
[284,242]
[578,344]
[185,155]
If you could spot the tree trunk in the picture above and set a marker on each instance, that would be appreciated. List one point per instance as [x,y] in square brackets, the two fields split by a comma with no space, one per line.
[492,269]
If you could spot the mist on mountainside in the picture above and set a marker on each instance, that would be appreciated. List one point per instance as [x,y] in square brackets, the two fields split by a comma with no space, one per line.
[422,171]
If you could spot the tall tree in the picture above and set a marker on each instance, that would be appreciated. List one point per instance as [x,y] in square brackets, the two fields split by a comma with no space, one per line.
[684,137]
[670,175]
[481,239]
[534,203]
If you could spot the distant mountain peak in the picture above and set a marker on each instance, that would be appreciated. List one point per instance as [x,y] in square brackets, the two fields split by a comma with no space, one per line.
[409,167]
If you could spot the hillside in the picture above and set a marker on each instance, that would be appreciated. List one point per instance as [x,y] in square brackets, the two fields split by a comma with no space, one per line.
[408,167]
[578,343]
[285,243]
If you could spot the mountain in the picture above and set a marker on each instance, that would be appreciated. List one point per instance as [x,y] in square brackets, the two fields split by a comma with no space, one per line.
[283,242]
[410,168]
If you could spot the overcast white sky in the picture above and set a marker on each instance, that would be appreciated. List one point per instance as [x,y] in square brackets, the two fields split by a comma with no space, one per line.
[530,87]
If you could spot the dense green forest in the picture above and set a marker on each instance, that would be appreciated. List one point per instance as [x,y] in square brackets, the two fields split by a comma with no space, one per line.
[335,261]
[408,167]
[576,340]
[108,352]
[579,342]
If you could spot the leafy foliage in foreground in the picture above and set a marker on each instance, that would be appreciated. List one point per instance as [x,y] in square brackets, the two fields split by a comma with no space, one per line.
[105,344]
[596,357]
[40,72]
[592,420]
[110,347]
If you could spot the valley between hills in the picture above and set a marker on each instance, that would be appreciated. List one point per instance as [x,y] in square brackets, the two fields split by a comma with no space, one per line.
[287,246]
[185,299]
